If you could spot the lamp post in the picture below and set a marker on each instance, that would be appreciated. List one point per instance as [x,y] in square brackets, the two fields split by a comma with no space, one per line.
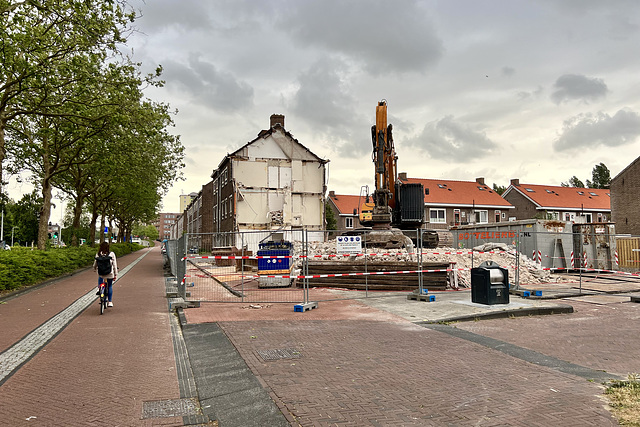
[13,228]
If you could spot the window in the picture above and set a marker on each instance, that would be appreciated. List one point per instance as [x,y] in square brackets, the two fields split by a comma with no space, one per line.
[588,217]
[482,217]
[437,216]
[530,190]
[348,222]
[592,193]
[497,215]
[553,215]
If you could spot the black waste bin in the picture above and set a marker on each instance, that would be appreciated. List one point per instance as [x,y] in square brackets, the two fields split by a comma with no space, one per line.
[489,284]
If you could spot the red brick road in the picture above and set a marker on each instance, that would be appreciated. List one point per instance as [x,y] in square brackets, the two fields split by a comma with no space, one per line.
[598,336]
[354,372]
[100,369]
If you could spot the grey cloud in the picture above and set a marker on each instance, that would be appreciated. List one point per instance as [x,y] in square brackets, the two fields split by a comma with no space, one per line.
[508,71]
[593,130]
[324,102]
[208,86]
[377,34]
[578,87]
[452,140]
[524,95]
[185,14]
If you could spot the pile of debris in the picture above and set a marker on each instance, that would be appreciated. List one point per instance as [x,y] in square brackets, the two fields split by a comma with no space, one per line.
[461,260]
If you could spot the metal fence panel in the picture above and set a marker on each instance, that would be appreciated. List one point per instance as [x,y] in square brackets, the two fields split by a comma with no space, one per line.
[232,267]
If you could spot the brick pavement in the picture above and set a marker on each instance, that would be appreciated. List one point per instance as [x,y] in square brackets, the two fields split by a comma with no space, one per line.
[363,372]
[100,369]
[599,336]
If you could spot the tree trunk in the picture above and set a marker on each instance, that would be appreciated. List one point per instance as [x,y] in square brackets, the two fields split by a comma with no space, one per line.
[3,124]
[102,225]
[92,226]
[77,213]
[45,214]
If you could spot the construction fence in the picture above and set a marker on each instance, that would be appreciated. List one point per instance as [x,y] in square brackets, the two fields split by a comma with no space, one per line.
[300,265]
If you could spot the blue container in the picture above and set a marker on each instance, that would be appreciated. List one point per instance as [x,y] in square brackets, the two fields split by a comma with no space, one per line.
[267,264]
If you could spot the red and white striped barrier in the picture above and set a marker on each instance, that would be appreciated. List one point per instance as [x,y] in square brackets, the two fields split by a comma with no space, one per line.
[371,273]
[615,256]
[334,255]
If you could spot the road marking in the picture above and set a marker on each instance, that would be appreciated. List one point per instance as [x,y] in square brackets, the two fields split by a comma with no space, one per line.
[18,354]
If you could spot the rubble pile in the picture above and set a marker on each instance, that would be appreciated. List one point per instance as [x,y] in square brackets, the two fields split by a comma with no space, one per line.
[503,255]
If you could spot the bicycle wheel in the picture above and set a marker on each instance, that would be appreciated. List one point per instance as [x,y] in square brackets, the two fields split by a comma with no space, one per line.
[103,304]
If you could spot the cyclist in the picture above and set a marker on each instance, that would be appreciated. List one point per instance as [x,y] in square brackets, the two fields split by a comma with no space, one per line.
[107,268]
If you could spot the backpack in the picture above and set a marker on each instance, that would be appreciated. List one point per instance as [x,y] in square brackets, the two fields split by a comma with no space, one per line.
[104,264]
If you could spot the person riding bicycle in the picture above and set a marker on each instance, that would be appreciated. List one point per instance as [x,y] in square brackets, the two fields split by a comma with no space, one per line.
[107,267]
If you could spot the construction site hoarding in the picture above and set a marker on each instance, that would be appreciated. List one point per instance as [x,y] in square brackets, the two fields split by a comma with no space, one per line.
[549,242]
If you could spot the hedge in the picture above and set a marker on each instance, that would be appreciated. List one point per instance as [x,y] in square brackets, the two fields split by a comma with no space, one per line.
[21,267]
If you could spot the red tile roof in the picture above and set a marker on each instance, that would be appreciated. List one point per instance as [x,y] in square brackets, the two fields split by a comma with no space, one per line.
[345,203]
[552,197]
[460,193]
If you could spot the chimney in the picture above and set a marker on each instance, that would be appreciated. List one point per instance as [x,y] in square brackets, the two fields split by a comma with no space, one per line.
[332,193]
[515,182]
[402,176]
[480,181]
[277,119]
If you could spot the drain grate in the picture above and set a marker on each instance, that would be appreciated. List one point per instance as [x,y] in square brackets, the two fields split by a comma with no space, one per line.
[170,408]
[279,354]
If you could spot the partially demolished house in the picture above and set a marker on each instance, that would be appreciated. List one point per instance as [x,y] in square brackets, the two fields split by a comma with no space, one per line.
[270,183]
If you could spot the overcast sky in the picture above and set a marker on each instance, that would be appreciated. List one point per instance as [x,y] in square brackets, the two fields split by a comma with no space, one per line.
[536,90]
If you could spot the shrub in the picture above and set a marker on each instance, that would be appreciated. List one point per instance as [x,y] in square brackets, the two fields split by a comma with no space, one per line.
[21,267]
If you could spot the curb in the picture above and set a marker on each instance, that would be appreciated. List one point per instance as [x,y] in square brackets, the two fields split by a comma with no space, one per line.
[532,311]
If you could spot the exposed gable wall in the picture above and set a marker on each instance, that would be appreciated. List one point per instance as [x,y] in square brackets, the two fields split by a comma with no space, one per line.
[625,193]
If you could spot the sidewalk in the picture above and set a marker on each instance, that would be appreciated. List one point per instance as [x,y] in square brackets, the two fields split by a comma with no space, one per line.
[99,370]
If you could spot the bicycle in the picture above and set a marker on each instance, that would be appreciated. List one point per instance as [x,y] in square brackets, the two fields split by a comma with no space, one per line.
[103,296]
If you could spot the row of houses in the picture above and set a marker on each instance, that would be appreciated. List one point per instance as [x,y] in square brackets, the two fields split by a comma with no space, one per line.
[450,203]
[274,182]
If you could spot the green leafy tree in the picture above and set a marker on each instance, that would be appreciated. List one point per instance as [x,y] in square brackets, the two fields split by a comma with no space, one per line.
[573,182]
[601,177]
[499,188]
[147,231]
[332,224]
[25,214]
[39,40]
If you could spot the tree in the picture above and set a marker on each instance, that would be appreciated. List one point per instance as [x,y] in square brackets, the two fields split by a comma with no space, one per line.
[499,188]
[39,39]
[601,177]
[148,231]
[26,213]
[331,219]
[573,182]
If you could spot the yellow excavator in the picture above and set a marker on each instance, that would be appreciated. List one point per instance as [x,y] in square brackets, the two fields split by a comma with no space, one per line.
[394,205]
